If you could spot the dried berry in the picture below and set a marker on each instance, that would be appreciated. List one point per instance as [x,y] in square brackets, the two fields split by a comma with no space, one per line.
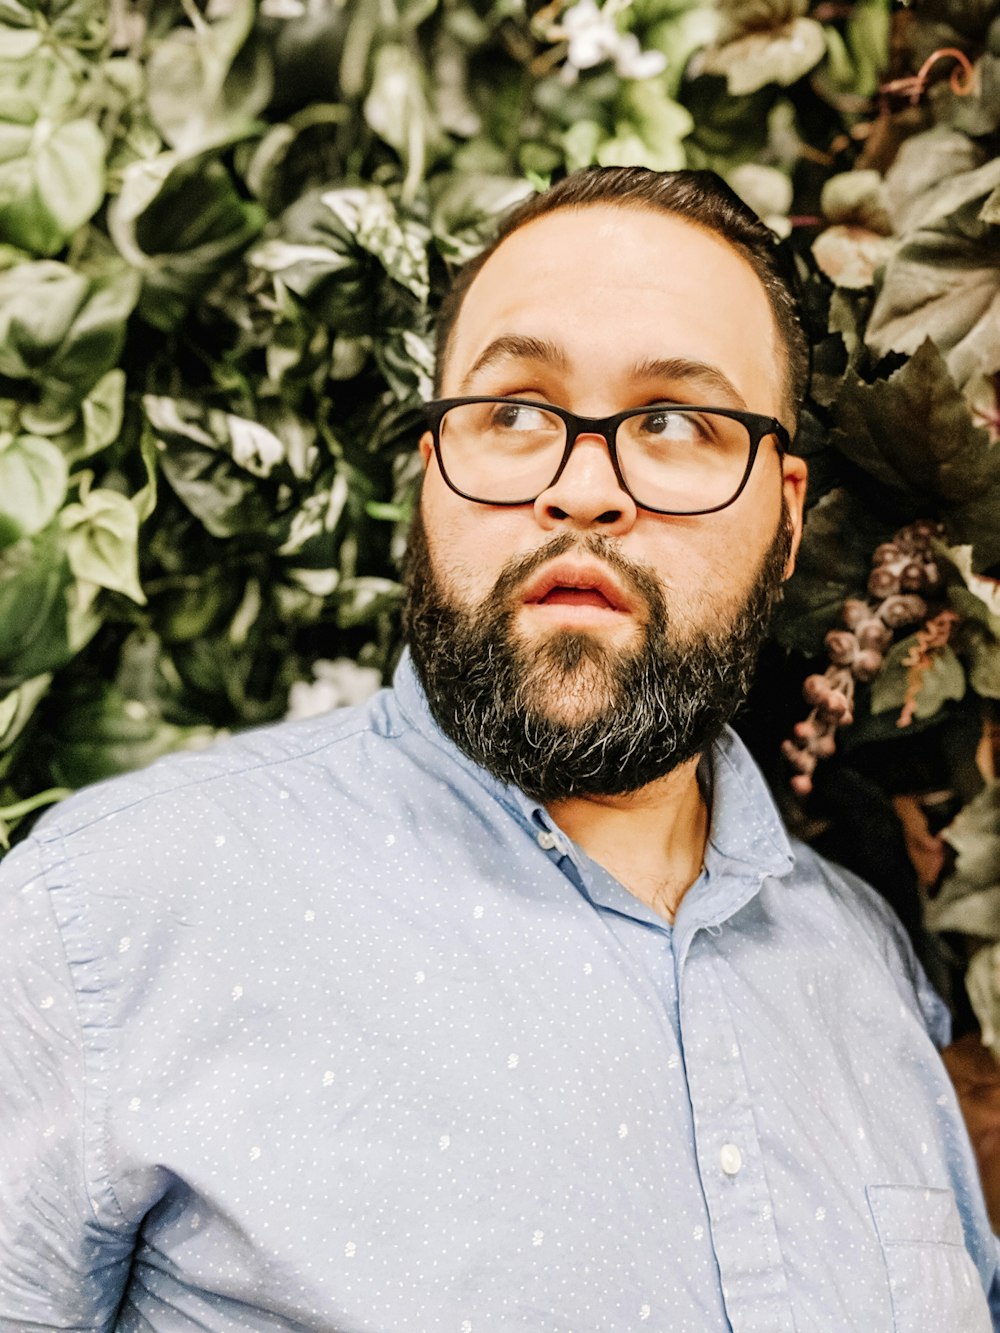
[886,554]
[912,577]
[855,611]
[902,569]
[841,647]
[836,707]
[882,582]
[816,689]
[905,609]
[867,664]
[873,633]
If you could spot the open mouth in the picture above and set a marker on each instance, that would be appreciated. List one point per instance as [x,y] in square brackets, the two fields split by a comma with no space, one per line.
[562,596]
[575,588]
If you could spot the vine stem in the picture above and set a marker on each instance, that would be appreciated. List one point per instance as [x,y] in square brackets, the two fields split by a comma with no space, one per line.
[913,86]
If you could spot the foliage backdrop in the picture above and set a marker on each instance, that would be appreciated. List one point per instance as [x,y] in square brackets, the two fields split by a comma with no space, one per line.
[224,229]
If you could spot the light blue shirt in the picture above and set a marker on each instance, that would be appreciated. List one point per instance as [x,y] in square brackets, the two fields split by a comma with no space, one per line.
[325,1029]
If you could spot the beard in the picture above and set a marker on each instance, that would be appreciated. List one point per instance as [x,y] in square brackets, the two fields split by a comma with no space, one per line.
[569,715]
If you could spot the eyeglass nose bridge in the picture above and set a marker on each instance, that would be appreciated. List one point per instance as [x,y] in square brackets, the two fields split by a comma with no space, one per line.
[605,428]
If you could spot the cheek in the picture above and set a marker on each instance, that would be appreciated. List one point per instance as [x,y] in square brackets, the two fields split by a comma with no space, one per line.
[469,544]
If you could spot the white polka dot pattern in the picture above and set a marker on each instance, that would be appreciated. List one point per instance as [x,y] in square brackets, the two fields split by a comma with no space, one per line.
[326,1030]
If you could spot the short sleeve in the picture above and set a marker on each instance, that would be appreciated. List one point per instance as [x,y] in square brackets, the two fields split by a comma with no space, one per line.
[59,1268]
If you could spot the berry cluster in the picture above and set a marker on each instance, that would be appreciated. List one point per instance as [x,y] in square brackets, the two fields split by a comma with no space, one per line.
[904,574]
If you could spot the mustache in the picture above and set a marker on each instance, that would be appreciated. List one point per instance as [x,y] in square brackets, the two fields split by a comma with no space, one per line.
[634,577]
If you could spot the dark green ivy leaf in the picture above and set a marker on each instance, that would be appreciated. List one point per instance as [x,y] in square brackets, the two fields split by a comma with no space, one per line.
[943,282]
[914,433]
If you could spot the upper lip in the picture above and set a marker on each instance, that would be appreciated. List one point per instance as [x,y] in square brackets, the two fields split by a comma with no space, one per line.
[571,574]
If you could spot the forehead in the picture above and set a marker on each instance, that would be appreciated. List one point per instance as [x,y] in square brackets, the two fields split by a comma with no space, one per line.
[615,286]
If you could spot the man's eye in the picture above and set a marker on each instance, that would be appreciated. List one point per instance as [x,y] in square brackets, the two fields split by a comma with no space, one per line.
[670,425]
[516,416]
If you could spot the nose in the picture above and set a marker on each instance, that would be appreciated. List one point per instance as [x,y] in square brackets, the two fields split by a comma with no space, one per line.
[587,493]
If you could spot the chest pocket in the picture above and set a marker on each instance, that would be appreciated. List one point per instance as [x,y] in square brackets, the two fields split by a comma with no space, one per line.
[934,1284]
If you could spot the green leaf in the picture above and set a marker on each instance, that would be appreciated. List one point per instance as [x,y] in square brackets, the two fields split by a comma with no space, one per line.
[62,329]
[17,707]
[102,542]
[144,500]
[35,628]
[857,198]
[990,211]
[649,129]
[360,600]
[179,221]
[943,282]
[969,898]
[914,433]
[927,167]
[984,995]
[195,454]
[398,110]
[580,144]
[103,732]
[974,834]
[851,256]
[974,597]
[75,22]
[974,913]
[209,83]
[779,55]
[33,478]
[334,249]
[400,245]
[984,671]
[943,680]
[466,207]
[868,31]
[51,191]
[103,410]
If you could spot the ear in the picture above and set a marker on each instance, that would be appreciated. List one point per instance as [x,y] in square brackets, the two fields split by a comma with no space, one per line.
[426,447]
[794,475]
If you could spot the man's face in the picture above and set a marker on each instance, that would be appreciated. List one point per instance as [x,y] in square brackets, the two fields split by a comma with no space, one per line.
[598,310]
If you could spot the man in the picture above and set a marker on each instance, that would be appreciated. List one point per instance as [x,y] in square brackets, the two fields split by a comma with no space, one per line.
[504,1003]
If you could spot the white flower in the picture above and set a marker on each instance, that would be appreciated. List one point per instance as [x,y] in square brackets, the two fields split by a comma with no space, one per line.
[593,37]
[591,34]
[631,62]
[338,684]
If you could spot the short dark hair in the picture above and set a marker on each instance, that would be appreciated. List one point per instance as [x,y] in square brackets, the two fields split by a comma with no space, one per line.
[700,197]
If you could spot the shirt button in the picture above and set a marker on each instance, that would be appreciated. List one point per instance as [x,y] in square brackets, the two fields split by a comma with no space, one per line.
[730,1159]
[546,840]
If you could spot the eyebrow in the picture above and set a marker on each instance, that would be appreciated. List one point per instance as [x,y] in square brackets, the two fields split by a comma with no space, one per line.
[685,369]
[516,347]
[520,347]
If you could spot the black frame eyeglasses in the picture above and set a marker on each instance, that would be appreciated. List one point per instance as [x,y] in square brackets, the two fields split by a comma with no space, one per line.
[757,428]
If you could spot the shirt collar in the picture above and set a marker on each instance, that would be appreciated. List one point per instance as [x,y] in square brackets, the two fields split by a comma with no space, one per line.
[746,841]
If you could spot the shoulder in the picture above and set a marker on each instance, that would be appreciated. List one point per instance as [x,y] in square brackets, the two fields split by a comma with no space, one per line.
[870,928]
[246,791]
[190,782]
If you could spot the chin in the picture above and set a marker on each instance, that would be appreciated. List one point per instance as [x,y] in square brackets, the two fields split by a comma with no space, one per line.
[570,678]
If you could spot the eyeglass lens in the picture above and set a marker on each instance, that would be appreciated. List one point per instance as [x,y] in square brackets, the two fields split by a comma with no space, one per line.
[683,461]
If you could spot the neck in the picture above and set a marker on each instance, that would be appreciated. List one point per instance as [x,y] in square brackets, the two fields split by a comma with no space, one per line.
[652,840]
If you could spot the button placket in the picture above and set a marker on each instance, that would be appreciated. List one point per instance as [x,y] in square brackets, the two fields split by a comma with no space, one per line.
[744,1234]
